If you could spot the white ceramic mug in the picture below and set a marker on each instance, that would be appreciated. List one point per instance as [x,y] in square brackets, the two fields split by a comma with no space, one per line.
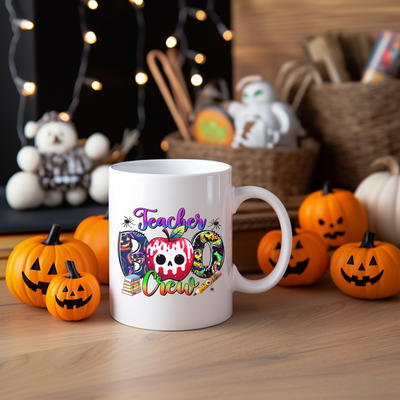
[171,243]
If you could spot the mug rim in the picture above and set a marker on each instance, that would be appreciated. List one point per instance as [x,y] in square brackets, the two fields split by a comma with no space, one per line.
[159,167]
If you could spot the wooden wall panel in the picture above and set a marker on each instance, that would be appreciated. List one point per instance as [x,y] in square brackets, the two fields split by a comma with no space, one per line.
[269,32]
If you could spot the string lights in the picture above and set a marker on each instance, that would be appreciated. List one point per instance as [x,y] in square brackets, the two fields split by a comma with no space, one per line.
[23,87]
[130,137]
[26,88]
[178,36]
[89,38]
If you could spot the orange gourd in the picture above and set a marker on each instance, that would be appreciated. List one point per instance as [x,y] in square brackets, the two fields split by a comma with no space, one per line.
[94,232]
[74,296]
[335,214]
[309,258]
[37,260]
[367,269]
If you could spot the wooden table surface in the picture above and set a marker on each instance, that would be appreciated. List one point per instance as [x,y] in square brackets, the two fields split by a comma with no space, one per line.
[289,343]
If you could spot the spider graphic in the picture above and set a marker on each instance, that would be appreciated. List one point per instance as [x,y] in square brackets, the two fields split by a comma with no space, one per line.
[215,224]
[127,222]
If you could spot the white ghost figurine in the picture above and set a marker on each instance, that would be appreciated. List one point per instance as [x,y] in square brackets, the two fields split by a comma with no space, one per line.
[260,119]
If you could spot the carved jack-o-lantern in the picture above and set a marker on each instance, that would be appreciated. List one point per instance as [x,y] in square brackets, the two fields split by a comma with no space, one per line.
[309,258]
[37,260]
[367,270]
[73,297]
[335,214]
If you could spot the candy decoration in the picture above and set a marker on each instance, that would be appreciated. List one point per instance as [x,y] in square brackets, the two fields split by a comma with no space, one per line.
[367,269]
[73,297]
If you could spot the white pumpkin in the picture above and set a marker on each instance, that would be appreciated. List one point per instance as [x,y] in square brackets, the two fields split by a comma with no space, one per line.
[379,193]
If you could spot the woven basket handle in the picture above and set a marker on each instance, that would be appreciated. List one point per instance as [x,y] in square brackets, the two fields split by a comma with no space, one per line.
[241,284]
[184,102]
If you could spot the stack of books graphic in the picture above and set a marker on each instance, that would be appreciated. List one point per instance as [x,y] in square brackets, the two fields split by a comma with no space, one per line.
[131,285]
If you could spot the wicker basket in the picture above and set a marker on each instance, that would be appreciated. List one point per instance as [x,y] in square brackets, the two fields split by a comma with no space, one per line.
[283,172]
[355,124]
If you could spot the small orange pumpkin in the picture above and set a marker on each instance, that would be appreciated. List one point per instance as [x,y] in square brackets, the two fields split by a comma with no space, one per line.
[368,269]
[73,297]
[309,258]
[335,214]
[94,232]
[37,260]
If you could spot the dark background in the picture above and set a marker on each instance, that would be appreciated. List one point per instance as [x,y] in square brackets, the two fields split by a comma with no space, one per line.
[50,54]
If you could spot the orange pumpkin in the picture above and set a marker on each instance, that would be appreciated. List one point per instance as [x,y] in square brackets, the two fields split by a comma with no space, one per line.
[37,260]
[309,258]
[73,297]
[335,214]
[94,232]
[368,269]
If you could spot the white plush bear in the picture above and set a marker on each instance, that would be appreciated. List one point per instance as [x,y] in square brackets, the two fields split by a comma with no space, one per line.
[57,167]
[260,119]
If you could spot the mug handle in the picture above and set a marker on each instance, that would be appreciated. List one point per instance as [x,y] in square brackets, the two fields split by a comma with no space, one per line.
[241,284]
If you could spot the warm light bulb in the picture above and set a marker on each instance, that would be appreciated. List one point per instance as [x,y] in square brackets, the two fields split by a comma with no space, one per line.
[96,85]
[227,35]
[28,88]
[141,78]
[196,80]
[200,58]
[164,145]
[201,15]
[139,3]
[64,116]
[90,37]
[171,42]
[26,25]
[92,4]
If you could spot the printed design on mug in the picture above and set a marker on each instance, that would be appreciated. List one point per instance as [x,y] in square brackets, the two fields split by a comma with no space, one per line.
[214,241]
[131,285]
[132,250]
[171,256]
[162,263]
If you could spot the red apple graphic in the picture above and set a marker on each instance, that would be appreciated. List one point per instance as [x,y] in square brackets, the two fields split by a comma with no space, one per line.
[171,257]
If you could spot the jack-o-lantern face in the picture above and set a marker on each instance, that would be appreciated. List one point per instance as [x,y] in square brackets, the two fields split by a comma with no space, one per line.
[70,299]
[294,267]
[41,285]
[333,229]
[363,279]
[308,260]
[369,270]
[36,261]
[73,297]
[335,214]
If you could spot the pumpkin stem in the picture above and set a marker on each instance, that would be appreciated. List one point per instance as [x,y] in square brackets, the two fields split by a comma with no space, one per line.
[388,161]
[166,232]
[106,215]
[368,241]
[327,188]
[293,225]
[73,273]
[54,236]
